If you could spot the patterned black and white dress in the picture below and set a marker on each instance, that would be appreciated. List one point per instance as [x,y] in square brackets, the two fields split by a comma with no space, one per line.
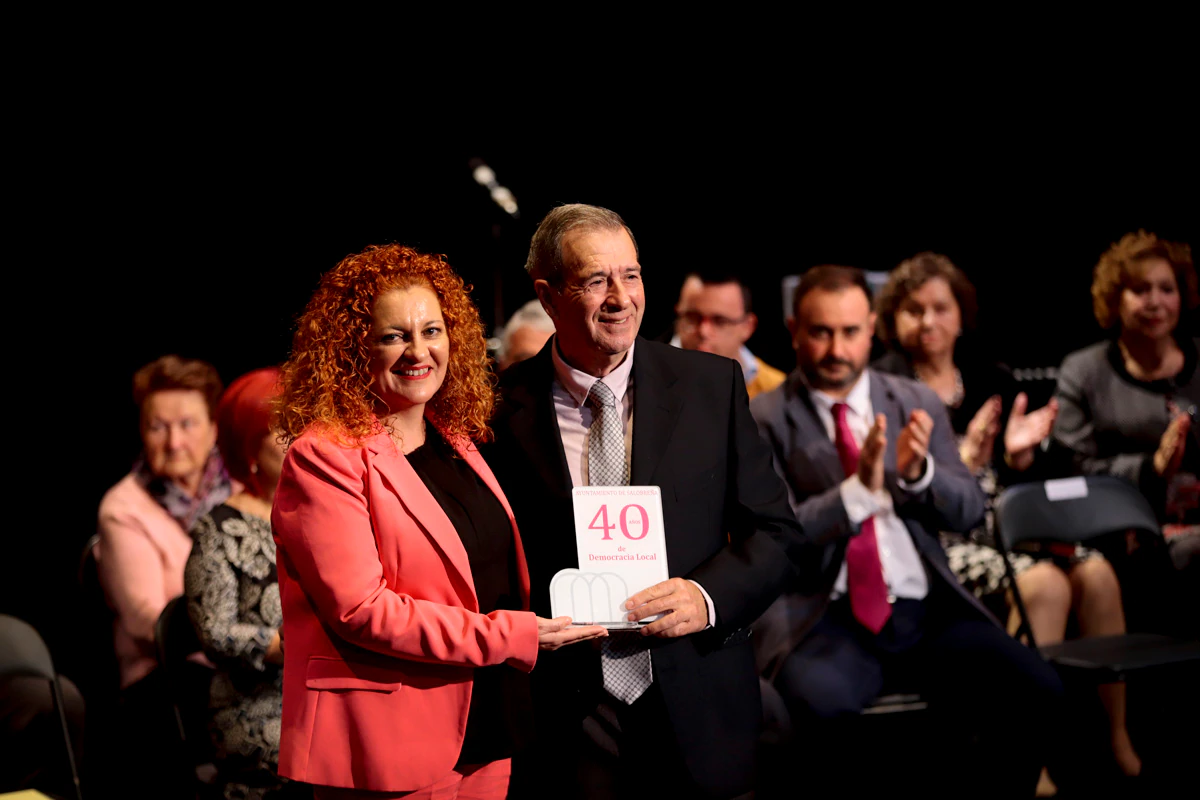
[233,600]
[973,555]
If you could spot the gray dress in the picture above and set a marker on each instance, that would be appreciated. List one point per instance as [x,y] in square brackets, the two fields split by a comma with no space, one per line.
[233,600]
[1111,424]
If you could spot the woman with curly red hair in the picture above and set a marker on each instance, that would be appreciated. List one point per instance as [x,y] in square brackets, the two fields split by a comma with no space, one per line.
[404,586]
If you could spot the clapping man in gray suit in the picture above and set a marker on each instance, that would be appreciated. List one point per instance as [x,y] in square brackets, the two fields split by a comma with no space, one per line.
[873,474]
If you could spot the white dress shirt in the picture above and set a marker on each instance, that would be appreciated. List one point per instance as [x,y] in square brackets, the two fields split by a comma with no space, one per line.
[575,415]
[570,391]
[902,568]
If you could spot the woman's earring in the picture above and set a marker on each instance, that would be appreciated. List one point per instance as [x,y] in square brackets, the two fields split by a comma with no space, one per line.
[254,468]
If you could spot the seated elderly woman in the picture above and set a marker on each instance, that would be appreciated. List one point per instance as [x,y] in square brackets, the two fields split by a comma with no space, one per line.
[403,580]
[233,595]
[144,522]
[924,309]
[1127,406]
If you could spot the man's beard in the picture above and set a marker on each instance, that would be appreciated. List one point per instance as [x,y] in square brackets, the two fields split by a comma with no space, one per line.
[818,380]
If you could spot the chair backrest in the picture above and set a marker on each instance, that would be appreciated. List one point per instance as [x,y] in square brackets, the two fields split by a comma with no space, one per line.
[174,637]
[1071,510]
[23,651]
[175,640]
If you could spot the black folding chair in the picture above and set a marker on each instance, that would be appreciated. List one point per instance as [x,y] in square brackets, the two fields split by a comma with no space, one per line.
[24,652]
[101,681]
[175,640]
[1076,511]
[898,719]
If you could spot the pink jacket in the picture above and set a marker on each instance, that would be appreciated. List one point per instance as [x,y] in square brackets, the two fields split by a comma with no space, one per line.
[381,623]
[140,561]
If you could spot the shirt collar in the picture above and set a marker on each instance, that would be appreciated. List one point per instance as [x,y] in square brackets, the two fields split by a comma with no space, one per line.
[578,383]
[859,398]
[749,363]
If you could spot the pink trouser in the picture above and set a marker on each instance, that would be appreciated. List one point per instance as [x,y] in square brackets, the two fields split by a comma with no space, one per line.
[470,782]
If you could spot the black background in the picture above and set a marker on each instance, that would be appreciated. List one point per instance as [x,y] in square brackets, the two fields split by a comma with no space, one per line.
[198,220]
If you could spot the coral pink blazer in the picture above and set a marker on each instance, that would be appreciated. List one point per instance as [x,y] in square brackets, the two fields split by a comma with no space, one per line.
[382,629]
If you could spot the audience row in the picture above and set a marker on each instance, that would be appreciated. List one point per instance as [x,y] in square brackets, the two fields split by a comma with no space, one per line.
[892,437]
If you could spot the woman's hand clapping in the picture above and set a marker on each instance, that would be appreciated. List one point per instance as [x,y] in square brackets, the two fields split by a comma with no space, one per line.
[980,439]
[1025,432]
[1169,455]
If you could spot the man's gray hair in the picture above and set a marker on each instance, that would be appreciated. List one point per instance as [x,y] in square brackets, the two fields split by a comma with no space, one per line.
[545,250]
[532,315]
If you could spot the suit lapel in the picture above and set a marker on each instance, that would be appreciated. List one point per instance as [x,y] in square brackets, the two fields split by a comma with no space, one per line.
[399,476]
[656,410]
[811,438]
[534,423]
[883,401]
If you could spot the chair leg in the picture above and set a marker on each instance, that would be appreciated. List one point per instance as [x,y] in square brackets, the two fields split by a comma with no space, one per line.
[60,708]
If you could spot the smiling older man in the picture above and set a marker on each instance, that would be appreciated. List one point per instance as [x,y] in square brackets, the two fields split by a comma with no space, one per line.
[680,421]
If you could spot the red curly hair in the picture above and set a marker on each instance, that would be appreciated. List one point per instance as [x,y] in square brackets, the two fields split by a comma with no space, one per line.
[327,381]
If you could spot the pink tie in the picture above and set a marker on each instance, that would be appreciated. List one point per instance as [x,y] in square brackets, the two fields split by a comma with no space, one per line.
[864,574]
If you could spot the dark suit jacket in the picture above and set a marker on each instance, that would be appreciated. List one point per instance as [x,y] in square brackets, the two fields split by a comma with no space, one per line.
[807,459]
[728,527]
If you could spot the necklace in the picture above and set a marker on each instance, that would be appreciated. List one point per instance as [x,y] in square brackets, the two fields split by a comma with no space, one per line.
[956,396]
[956,399]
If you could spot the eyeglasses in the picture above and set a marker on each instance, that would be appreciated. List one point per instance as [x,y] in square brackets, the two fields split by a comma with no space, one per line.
[694,319]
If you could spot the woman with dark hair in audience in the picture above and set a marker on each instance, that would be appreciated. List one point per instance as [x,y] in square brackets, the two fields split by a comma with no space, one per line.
[404,585]
[144,524]
[1127,406]
[233,595]
[923,311]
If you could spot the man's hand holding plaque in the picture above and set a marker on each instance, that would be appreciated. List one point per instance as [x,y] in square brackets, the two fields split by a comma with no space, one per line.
[677,606]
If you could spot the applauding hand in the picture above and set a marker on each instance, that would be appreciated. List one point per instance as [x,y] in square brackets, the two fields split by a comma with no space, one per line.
[913,444]
[870,458]
[1170,448]
[1024,431]
[980,439]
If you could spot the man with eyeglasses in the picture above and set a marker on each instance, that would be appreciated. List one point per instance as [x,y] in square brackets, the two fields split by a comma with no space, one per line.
[714,315]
